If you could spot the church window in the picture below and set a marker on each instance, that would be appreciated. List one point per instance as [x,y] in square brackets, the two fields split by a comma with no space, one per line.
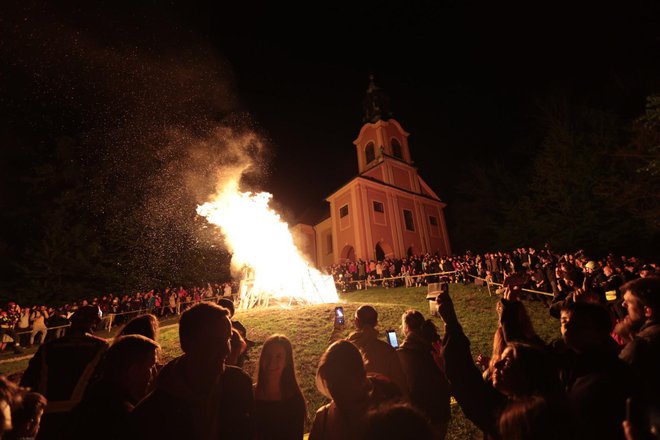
[378,207]
[328,243]
[370,152]
[343,211]
[433,220]
[408,219]
[396,149]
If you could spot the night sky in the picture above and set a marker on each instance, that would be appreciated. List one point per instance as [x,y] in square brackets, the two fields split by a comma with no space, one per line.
[466,79]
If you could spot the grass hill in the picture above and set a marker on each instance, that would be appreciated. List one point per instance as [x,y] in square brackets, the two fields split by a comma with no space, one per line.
[311,328]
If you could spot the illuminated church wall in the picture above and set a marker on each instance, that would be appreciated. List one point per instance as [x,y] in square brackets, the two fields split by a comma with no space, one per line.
[387,207]
[325,248]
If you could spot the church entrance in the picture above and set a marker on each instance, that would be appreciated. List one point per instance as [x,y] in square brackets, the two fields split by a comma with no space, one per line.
[347,254]
[411,251]
[383,250]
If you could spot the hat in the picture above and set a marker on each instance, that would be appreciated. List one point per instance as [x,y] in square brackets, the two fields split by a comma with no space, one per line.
[647,267]
[590,265]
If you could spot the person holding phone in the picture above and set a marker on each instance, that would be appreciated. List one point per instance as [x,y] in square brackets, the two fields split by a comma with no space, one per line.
[426,384]
[379,356]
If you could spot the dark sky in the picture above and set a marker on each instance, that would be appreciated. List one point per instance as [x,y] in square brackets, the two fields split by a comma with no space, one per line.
[465,78]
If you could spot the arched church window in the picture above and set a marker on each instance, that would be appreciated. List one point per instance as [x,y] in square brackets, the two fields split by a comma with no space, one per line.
[396,149]
[370,152]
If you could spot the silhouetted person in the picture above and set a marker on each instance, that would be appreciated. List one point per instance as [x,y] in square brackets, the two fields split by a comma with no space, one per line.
[379,356]
[427,385]
[238,348]
[205,398]
[8,395]
[514,326]
[61,369]
[146,325]
[341,376]
[597,381]
[26,416]
[523,371]
[229,305]
[641,298]
[127,369]
[396,422]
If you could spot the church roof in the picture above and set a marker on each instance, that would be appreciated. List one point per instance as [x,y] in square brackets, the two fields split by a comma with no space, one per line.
[380,182]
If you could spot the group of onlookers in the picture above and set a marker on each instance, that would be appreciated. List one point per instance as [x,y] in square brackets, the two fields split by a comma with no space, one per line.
[543,269]
[25,326]
[575,387]
[598,381]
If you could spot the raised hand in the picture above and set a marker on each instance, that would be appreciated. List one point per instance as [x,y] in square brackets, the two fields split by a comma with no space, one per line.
[438,355]
[446,308]
[511,295]
[483,361]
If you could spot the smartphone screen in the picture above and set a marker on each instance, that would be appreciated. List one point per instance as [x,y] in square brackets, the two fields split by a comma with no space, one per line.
[339,315]
[391,338]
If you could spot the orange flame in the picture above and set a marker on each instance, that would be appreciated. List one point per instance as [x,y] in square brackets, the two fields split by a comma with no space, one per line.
[260,239]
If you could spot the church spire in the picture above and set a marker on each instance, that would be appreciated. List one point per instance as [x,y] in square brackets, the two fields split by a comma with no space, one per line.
[376,104]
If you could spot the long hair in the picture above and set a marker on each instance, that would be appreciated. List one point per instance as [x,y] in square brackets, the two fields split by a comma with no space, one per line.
[515,316]
[288,382]
[340,363]
[413,320]
[145,325]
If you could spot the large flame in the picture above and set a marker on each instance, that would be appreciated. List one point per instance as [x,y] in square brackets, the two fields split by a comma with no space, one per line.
[260,240]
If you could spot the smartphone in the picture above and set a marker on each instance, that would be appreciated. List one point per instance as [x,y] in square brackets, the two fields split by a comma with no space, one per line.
[339,315]
[391,338]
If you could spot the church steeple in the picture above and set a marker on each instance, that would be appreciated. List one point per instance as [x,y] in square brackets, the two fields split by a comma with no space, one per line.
[376,104]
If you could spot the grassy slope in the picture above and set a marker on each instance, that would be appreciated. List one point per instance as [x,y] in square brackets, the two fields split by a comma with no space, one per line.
[311,328]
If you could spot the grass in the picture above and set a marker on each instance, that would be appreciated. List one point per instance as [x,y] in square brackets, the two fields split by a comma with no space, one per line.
[311,329]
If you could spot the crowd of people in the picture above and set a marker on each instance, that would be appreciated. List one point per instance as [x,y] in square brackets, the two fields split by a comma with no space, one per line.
[541,270]
[598,381]
[34,324]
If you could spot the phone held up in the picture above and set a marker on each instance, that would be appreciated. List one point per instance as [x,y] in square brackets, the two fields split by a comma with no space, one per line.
[391,338]
[339,316]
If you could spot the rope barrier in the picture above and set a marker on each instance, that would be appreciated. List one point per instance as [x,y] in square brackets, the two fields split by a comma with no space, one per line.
[397,278]
[111,316]
[489,282]
[24,332]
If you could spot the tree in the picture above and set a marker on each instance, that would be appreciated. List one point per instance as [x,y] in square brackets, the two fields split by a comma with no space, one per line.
[573,199]
[639,165]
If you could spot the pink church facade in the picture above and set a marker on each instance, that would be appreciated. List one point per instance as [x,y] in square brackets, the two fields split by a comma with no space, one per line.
[387,210]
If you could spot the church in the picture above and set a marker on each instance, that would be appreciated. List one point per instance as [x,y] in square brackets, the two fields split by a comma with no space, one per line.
[387,210]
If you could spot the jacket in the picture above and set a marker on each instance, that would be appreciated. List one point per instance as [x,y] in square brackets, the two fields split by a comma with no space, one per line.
[379,356]
[427,386]
[174,411]
[643,355]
